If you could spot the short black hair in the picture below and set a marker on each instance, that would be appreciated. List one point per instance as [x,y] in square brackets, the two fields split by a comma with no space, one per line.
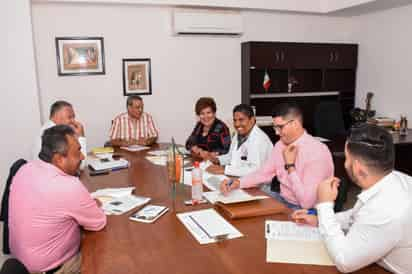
[54,140]
[373,145]
[57,106]
[245,109]
[286,109]
[133,98]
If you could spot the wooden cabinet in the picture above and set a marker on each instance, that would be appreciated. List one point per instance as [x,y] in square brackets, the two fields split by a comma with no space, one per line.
[307,73]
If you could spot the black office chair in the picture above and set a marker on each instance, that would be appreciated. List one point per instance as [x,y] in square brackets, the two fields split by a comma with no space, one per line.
[340,199]
[328,120]
[4,215]
[13,266]
[342,195]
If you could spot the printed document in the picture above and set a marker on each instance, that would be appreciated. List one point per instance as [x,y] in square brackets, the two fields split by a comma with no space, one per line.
[288,242]
[207,226]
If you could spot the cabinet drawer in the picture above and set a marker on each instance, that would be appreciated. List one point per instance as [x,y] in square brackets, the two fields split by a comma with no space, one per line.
[266,56]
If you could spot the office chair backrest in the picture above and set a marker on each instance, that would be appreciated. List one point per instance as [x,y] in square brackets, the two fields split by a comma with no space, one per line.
[4,215]
[13,266]
[328,120]
[342,195]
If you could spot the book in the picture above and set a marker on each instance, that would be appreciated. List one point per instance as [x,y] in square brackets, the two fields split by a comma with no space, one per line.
[149,214]
[102,150]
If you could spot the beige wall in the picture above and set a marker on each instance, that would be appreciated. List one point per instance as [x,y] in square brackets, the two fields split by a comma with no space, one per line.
[19,104]
[183,68]
[385,60]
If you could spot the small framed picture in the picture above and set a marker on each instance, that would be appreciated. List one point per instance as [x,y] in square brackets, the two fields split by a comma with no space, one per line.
[137,77]
[80,55]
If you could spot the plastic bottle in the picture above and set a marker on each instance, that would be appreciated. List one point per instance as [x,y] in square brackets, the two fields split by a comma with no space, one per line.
[197,184]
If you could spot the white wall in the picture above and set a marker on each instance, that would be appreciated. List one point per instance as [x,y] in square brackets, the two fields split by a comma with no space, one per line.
[19,104]
[385,61]
[183,68]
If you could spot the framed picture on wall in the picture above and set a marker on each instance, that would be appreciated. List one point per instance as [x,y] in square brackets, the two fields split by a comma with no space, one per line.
[80,55]
[137,77]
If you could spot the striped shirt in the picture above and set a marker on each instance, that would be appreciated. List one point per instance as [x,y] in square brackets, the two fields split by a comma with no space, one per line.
[125,128]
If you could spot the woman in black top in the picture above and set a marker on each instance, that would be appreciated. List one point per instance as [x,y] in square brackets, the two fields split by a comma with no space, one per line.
[210,136]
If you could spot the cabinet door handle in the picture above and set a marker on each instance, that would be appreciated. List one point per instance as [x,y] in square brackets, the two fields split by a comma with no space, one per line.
[282,56]
[277,56]
[336,56]
[331,57]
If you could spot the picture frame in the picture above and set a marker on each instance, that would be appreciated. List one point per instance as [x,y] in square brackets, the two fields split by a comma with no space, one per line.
[80,56]
[137,78]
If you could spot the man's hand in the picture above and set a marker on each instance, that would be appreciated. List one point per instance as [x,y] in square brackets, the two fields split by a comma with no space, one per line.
[213,157]
[78,128]
[225,188]
[302,217]
[289,154]
[215,169]
[328,190]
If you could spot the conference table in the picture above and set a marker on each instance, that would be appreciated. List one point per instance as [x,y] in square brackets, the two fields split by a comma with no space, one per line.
[166,246]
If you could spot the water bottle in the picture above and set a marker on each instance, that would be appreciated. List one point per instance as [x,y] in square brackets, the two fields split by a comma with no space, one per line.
[197,184]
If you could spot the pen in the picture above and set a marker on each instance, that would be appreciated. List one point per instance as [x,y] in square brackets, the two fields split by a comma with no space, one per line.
[312,211]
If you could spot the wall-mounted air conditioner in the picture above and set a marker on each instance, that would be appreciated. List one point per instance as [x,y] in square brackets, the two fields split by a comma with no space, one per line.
[206,22]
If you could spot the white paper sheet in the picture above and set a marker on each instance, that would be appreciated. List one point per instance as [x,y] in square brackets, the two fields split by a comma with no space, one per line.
[235,196]
[113,192]
[157,160]
[135,148]
[123,204]
[207,224]
[280,230]
[288,242]
[158,152]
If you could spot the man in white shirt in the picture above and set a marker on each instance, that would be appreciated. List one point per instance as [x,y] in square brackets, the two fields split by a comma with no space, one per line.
[249,149]
[61,113]
[379,227]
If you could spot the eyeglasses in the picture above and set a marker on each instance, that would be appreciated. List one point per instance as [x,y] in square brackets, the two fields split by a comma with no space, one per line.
[279,128]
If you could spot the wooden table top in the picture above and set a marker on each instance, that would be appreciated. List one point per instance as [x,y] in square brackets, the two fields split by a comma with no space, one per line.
[166,246]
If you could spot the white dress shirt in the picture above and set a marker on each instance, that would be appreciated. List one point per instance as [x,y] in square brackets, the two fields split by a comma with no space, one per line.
[254,151]
[37,143]
[377,229]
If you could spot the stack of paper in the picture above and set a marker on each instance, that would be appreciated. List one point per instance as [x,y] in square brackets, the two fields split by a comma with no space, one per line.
[207,226]
[288,242]
[135,148]
[235,196]
[117,201]
[98,164]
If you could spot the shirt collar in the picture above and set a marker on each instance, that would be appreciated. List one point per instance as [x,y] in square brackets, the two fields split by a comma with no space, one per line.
[365,195]
[299,140]
[51,167]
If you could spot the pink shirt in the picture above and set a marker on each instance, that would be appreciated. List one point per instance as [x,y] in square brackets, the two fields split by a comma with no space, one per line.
[46,209]
[313,164]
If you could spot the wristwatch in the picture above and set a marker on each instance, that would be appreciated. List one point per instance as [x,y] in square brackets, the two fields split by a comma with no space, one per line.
[287,166]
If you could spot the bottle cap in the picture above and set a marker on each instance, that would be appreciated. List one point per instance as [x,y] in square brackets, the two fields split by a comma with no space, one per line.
[196,164]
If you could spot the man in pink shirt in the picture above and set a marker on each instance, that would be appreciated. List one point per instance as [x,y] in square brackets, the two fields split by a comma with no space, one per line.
[48,205]
[298,160]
